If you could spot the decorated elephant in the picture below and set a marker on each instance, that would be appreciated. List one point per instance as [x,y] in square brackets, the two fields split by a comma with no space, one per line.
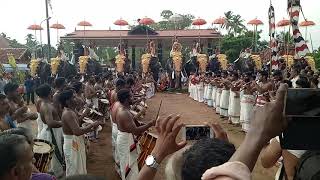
[150,62]
[245,62]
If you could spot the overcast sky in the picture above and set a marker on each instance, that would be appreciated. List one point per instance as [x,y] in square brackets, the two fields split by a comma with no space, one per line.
[17,15]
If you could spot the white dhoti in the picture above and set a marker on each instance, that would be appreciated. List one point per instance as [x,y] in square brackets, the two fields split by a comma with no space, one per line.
[234,108]
[128,156]
[205,95]
[209,95]
[40,125]
[114,145]
[247,103]
[75,155]
[224,102]
[195,93]
[218,97]
[200,91]
[214,91]
[45,134]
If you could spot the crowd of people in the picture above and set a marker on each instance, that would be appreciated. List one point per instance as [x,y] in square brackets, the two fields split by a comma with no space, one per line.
[255,101]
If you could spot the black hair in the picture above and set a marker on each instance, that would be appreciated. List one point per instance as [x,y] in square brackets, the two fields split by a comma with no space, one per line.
[303,82]
[64,96]
[120,83]
[130,81]
[264,74]
[204,154]
[9,151]
[76,86]
[288,82]
[59,82]
[123,95]
[10,87]
[43,91]
[277,73]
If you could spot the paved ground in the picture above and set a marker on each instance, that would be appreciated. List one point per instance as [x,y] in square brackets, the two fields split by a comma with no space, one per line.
[100,158]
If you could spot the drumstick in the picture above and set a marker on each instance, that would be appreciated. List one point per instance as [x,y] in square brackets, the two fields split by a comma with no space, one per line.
[159,109]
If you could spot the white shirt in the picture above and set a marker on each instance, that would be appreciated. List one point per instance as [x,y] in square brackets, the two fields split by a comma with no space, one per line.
[294,80]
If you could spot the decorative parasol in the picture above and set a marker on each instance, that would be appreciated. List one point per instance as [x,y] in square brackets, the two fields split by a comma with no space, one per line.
[120,22]
[84,24]
[221,21]
[57,26]
[199,22]
[35,28]
[255,23]
[283,23]
[306,24]
[146,21]
[176,18]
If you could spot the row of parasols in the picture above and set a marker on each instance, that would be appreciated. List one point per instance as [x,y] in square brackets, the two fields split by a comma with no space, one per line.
[176,18]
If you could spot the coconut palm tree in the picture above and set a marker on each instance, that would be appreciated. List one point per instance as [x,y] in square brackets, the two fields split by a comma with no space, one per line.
[234,24]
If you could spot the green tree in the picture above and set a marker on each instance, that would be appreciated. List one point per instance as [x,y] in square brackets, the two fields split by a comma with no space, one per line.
[234,24]
[12,42]
[166,24]
[166,14]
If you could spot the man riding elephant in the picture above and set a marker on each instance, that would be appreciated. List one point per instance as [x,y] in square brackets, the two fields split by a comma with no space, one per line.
[150,62]
[176,61]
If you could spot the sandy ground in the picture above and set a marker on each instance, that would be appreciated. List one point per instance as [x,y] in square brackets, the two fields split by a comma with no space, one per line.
[100,162]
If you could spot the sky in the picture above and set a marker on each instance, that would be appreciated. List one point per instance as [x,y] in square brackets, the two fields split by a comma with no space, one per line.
[17,15]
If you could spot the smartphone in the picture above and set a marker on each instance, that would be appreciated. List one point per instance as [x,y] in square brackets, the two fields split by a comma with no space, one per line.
[197,132]
[302,111]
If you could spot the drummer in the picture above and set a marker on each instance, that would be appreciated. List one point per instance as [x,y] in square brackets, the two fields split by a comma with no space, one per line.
[74,147]
[120,84]
[125,140]
[51,124]
[91,94]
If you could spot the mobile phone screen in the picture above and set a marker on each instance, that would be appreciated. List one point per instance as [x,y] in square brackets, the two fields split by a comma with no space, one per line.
[197,132]
[303,103]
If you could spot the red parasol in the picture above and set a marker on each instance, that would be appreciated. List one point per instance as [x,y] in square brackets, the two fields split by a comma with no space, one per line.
[57,26]
[283,23]
[199,22]
[120,22]
[306,24]
[255,22]
[220,21]
[146,21]
[35,27]
[84,23]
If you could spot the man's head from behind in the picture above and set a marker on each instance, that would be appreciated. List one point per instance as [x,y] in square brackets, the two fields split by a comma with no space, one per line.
[16,157]
[44,91]
[11,90]
[120,84]
[59,83]
[204,154]
[66,98]
[124,97]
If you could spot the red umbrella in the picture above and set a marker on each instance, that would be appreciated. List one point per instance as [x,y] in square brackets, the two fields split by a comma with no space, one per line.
[255,22]
[57,26]
[146,21]
[84,23]
[35,27]
[283,23]
[220,21]
[120,22]
[306,24]
[199,22]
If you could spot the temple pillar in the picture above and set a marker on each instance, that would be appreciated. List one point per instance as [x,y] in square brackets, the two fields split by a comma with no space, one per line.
[133,57]
[210,49]
[160,55]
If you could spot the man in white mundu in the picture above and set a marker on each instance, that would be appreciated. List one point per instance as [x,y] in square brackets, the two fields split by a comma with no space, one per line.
[127,149]
[247,103]
[200,89]
[225,93]
[234,100]
[74,146]
[91,94]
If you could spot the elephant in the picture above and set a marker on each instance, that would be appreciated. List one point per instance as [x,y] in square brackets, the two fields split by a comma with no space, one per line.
[66,70]
[191,66]
[245,64]
[44,72]
[154,67]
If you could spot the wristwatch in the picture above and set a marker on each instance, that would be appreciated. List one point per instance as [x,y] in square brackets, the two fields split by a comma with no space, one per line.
[152,162]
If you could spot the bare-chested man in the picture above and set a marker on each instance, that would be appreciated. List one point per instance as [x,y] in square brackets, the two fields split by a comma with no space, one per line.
[263,88]
[120,84]
[59,85]
[4,104]
[18,112]
[52,127]
[91,94]
[74,146]
[126,147]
